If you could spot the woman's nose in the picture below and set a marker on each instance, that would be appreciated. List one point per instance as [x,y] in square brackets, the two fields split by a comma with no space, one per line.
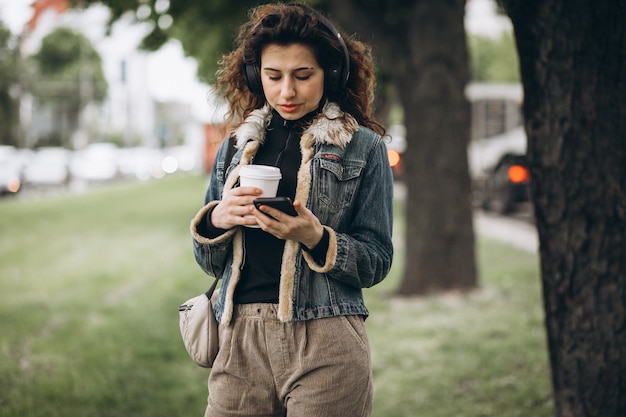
[288,88]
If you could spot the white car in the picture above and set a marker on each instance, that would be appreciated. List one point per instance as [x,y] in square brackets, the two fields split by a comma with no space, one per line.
[48,167]
[141,163]
[95,162]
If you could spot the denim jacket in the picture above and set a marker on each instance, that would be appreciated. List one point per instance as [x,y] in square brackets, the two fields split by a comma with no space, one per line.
[346,181]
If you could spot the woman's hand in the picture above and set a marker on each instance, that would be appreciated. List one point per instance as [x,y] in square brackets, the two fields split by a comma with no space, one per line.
[236,204]
[304,228]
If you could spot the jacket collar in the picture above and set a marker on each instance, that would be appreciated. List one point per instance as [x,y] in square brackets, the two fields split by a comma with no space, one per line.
[329,127]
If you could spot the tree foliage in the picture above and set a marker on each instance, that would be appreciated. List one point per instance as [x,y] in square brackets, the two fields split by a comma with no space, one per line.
[67,68]
[206,29]
[65,76]
[494,60]
[9,84]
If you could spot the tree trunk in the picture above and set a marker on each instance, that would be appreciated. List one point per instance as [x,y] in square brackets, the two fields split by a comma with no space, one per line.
[573,67]
[440,238]
[423,49]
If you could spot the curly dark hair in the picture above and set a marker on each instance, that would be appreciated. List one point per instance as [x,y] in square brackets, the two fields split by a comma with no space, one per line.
[283,24]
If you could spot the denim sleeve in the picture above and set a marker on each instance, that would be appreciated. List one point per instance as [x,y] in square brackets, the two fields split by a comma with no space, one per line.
[364,252]
[218,173]
[212,252]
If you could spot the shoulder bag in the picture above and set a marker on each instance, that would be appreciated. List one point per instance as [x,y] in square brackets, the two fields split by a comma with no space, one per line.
[199,328]
[198,325]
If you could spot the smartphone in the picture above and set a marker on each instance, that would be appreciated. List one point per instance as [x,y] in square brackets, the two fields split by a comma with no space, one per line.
[281,203]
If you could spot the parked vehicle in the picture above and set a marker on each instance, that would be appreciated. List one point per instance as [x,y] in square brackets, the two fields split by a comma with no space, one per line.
[10,170]
[142,163]
[48,166]
[180,159]
[497,150]
[96,162]
[499,169]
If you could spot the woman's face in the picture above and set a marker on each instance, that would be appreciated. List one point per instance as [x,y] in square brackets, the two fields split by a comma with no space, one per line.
[293,81]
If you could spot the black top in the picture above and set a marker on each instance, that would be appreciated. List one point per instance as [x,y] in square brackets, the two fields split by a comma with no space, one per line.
[260,274]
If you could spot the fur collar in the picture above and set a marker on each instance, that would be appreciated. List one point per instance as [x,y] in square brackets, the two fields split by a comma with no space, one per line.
[331,127]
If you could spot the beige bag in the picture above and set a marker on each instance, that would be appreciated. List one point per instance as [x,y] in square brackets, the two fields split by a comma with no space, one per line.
[198,328]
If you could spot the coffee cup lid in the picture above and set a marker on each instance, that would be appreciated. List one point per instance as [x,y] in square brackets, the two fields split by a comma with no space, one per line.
[260,172]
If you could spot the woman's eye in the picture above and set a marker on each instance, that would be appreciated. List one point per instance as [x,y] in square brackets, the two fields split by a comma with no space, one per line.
[297,77]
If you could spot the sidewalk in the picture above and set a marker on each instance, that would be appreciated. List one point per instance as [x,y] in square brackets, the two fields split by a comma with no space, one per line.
[518,233]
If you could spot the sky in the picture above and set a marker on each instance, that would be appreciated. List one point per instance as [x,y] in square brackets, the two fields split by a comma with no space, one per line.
[15,13]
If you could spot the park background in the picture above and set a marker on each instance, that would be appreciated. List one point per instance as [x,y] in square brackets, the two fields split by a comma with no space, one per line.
[92,280]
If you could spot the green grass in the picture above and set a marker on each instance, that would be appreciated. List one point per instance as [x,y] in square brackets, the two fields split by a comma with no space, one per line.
[90,286]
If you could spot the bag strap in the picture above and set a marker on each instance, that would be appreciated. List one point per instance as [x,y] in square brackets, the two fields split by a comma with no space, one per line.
[230,151]
[209,292]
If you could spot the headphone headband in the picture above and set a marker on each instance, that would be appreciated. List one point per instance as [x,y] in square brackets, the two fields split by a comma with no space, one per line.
[335,77]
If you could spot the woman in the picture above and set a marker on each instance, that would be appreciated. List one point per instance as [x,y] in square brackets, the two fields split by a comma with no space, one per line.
[291,310]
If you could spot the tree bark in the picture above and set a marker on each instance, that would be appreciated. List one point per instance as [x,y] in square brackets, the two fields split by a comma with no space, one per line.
[573,67]
[440,238]
[422,47]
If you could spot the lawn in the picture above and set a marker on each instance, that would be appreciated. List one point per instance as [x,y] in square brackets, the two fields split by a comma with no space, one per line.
[89,321]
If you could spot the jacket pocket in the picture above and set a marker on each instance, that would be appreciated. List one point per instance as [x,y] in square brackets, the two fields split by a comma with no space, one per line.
[337,183]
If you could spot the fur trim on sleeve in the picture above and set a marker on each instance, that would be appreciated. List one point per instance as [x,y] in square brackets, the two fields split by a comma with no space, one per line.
[198,218]
[235,276]
[331,254]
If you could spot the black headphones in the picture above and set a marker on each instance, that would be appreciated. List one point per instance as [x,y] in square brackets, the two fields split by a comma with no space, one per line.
[335,77]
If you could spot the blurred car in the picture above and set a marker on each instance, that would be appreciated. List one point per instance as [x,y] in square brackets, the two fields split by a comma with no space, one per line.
[499,169]
[507,186]
[95,162]
[48,166]
[11,165]
[180,159]
[142,163]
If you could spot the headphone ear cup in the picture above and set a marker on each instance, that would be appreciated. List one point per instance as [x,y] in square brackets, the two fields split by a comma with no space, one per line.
[332,80]
[252,76]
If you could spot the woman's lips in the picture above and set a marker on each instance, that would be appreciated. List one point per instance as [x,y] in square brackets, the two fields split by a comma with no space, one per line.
[289,108]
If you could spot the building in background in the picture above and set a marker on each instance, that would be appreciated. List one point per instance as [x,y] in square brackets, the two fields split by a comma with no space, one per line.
[154,99]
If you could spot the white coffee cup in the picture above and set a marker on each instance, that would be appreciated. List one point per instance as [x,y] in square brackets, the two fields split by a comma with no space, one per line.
[264,177]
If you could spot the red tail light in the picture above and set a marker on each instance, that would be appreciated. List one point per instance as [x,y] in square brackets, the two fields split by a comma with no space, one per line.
[394,157]
[518,174]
